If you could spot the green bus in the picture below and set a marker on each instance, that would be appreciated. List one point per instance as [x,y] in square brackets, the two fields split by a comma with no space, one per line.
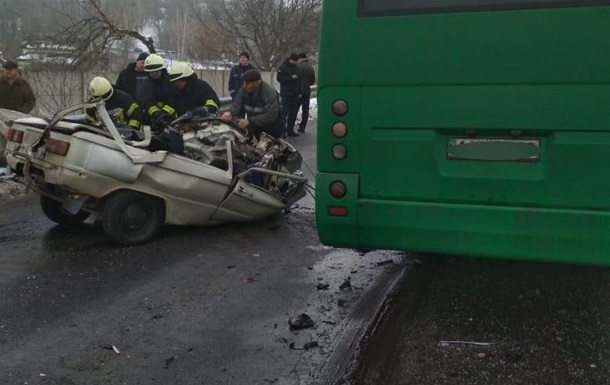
[466,127]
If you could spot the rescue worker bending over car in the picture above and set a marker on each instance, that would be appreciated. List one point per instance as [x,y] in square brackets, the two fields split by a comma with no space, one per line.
[157,91]
[261,103]
[101,89]
[191,93]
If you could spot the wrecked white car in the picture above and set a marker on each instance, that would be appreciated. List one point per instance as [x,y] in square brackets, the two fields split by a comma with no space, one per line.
[80,169]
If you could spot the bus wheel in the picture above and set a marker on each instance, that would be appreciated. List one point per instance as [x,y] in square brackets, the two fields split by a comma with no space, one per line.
[52,209]
[132,218]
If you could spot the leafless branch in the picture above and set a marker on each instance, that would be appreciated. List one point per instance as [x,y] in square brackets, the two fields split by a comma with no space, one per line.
[93,37]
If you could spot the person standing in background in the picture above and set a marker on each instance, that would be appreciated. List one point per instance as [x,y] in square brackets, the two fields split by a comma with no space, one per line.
[290,87]
[15,92]
[133,78]
[307,76]
[236,73]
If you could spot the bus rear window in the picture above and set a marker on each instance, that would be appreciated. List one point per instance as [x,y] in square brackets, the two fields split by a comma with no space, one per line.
[401,7]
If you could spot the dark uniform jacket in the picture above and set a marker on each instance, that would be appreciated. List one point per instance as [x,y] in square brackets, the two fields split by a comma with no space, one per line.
[288,85]
[198,93]
[307,76]
[157,92]
[130,80]
[17,96]
[262,108]
[235,77]
[131,113]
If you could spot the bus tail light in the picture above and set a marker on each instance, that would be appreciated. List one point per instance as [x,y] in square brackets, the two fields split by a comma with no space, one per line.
[340,107]
[339,151]
[337,211]
[338,189]
[339,130]
[57,146]
[14,135]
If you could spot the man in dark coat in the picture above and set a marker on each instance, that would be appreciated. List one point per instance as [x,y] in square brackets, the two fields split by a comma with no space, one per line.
[133,78]
[261,103]
[236,72]
[15,92]
[307,75]
[290,86]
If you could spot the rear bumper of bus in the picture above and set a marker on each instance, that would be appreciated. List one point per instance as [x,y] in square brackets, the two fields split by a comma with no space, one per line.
[490,231]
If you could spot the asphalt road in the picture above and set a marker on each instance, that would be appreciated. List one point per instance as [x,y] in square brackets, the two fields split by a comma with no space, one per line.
[211,306]
[457,320]
[196,306]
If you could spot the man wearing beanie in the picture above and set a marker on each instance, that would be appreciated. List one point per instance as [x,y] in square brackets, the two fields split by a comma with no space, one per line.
[236,73]
[261,104]
[133,78]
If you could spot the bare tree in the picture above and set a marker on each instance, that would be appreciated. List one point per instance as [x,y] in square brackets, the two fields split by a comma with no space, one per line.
[269,29]
[96,32]
[56,89]
[178,26]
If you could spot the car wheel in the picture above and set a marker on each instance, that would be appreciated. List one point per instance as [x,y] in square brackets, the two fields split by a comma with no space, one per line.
[52,209]
[132,218]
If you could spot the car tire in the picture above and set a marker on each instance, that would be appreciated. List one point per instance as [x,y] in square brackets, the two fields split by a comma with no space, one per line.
[52,209]
[132,218]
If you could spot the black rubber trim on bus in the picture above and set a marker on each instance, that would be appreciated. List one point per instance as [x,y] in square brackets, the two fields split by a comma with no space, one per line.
[489,6]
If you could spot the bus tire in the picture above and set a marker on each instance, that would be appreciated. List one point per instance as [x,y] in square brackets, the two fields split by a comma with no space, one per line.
[52,210]
[132,218]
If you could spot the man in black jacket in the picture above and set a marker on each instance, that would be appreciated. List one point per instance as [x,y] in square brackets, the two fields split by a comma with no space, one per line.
[290,86]
[307,76]
[236,72]
[261,103]
[133,78]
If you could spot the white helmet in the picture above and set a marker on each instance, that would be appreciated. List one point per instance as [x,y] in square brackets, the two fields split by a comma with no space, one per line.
[100,88]
[180,70]
[153,62]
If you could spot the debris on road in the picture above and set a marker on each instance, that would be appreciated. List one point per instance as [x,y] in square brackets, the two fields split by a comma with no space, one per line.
[169,361]
[342,302]
[312,344]
[306,346]
[447,343]
[115,349]
[386,262]
[301,321]
[322,286]
[346,285]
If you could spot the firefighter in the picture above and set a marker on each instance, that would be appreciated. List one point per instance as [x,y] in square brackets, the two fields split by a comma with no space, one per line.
[157,93]
[191,92]
[101,89]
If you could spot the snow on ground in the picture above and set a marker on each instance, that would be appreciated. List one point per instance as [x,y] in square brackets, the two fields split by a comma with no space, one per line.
[313,108]
[10,186]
